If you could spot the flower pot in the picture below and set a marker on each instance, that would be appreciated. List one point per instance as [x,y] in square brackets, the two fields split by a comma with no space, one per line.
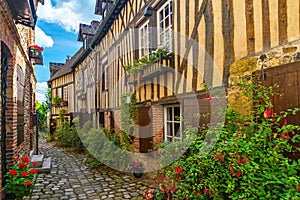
[10,196]
[138,174]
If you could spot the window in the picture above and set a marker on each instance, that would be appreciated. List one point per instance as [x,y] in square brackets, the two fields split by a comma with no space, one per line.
[173,123]
[144,42]
[165,22]
[85,75]
[65,93]
[59,92]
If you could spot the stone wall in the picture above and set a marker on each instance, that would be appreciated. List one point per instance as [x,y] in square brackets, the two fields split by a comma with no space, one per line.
[243,69]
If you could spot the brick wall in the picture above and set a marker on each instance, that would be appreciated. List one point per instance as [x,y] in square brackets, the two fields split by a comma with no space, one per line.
[9,38]
[158,123]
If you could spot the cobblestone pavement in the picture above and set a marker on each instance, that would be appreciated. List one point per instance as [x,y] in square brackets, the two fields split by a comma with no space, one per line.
[70,178]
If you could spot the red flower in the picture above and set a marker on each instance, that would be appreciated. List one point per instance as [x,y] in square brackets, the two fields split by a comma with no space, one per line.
[34,171]
[239,161]
[21,165]
[33,163]
[16,159]
[25,160]
[178,169]
[232,172]
[299,188]
[217,156]
[197,193]
[13,172]
[285,123]
[244,160]
[204,191]
[208,191]
[27,183]
[208,98]
[285,136]
[162,176]
[238,174]
[41,48]
[173,190]
[268,113]
[24,174]
[222,159]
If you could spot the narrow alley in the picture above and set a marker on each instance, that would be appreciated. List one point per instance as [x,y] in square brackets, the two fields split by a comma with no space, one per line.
[70,178]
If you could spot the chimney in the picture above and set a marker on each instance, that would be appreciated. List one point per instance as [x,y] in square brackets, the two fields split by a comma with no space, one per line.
[54,67]
[95,23]
[68,58]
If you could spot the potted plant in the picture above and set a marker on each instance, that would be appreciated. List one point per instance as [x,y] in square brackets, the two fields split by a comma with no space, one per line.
[20,179]
[137,169]
[57,100]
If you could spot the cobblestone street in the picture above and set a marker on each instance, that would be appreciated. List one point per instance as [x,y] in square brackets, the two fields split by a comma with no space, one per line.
[70,178]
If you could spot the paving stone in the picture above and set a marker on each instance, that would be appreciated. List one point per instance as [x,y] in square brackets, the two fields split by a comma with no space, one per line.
[70,178]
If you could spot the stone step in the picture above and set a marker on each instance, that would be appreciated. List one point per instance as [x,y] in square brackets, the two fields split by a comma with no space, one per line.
[46,168]
[38,159]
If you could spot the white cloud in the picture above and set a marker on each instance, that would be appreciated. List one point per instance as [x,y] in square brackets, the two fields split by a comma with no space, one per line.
[42,39]
[41,89]
[68,13]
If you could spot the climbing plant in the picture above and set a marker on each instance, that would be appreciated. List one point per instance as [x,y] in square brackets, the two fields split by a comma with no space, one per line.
[128,119]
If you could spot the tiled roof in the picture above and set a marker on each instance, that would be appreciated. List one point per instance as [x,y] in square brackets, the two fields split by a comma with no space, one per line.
[67,68]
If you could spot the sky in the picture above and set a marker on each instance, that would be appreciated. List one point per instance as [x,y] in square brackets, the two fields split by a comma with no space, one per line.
[57,31]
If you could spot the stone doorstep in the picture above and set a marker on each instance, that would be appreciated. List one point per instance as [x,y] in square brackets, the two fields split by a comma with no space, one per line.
[38,159]
[46,168]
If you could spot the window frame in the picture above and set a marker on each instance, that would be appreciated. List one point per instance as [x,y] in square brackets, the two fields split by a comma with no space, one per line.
[164,29]
[144,49]
[172,122]
[65,93]
[85,77]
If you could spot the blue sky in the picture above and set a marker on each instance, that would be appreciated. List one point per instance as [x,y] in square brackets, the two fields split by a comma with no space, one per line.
[57,31]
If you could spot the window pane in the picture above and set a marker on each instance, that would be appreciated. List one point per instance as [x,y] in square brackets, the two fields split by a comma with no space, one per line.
[176,113]
[167,22]
[169,129]
[169,114]
[177,129]
[161,15]
[171,6]
[167,10]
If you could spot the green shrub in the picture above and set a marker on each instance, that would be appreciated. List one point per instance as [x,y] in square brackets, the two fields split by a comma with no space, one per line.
[66,136]
[247,160]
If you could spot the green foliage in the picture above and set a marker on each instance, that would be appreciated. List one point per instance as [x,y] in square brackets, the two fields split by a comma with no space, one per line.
[42,109]
[105,146]
[67,136]
[56,100]
[128,118]
[20,178]
[49,138]
[247,160]
[145,60]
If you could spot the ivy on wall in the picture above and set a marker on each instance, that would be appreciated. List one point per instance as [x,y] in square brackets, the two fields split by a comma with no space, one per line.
[128,119]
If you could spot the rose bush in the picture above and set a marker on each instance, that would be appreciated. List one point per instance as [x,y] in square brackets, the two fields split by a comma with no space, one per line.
[250,157]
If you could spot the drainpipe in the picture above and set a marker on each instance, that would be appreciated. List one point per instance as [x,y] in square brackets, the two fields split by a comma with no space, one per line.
[37,133]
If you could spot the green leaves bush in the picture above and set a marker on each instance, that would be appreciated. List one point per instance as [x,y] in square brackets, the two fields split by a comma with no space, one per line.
[247,161]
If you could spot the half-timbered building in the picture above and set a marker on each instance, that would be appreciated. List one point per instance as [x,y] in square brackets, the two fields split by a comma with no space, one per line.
[209,44]
[19,55]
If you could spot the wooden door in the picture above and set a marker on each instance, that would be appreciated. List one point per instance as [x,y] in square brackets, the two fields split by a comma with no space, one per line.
[288,78]
[145,129]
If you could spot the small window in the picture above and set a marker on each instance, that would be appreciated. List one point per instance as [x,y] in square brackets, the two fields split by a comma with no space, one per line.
[65,93]
[173,123]
[85,76]
[144,42]
[165,22]
[59,92]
